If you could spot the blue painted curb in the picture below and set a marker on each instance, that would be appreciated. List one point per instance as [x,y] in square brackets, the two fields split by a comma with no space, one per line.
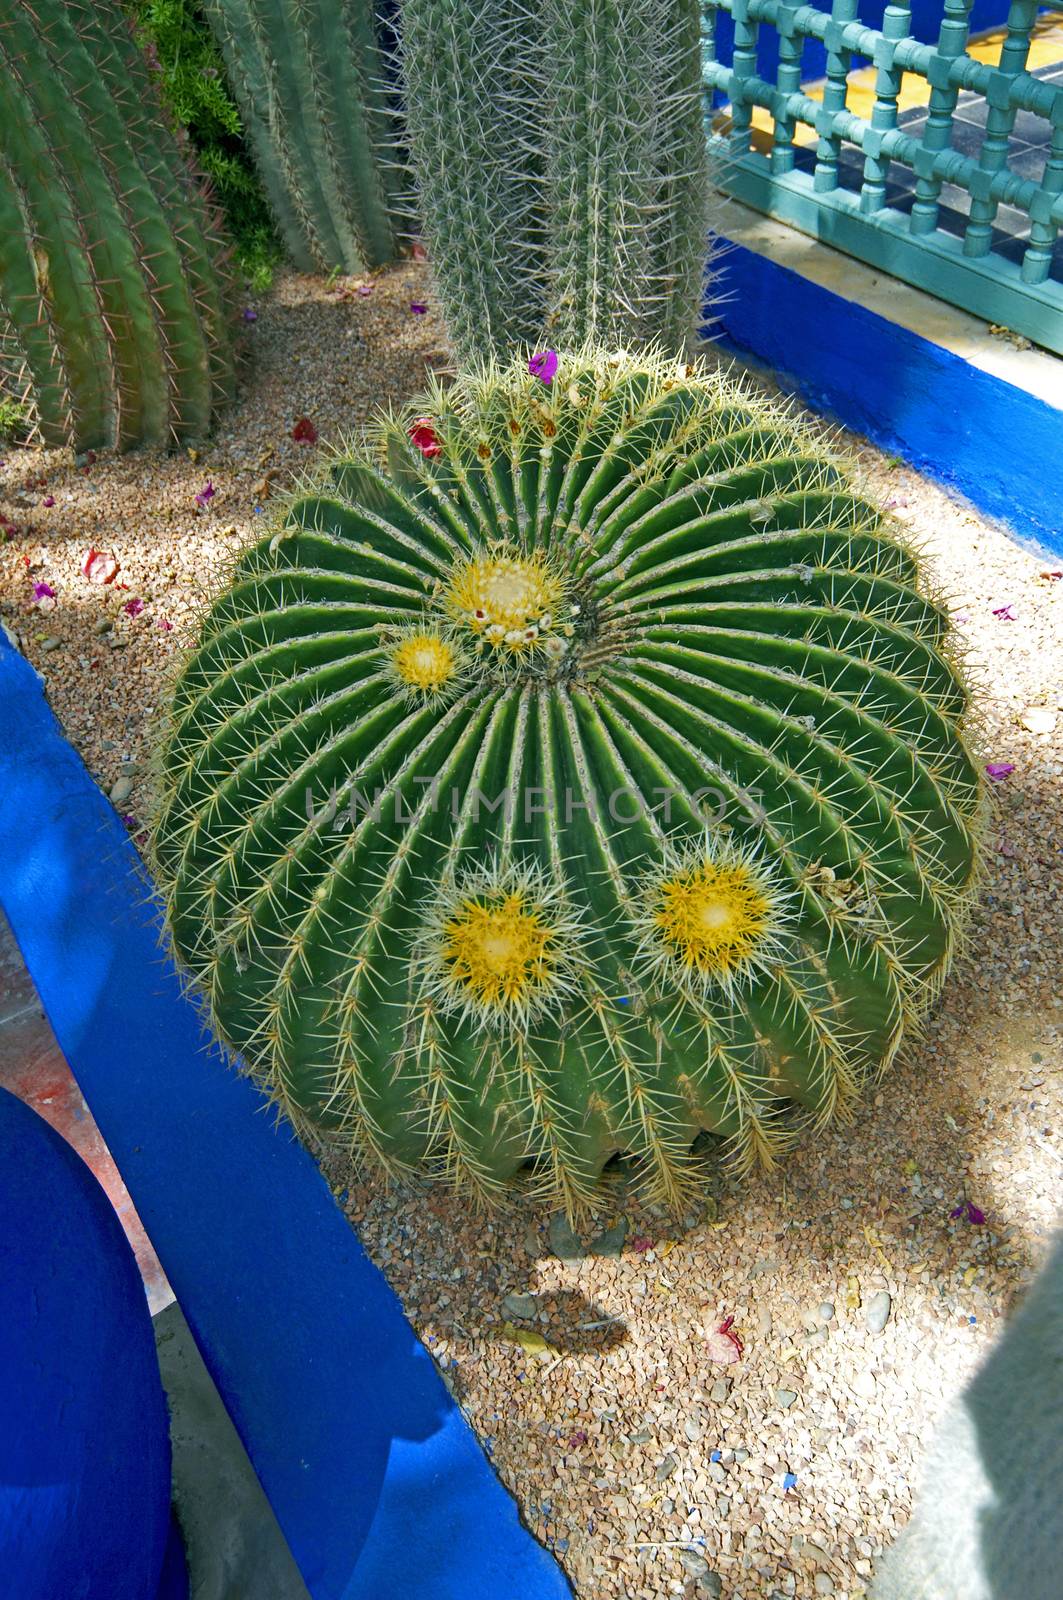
[997,445]
[378,1484]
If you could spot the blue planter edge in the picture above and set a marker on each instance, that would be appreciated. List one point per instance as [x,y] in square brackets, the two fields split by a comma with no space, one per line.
[377,1481]
[971,431]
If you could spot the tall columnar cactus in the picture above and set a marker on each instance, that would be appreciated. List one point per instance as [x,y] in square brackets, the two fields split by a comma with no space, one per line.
[312,81]
[577,767]
[560,164]
[115,320]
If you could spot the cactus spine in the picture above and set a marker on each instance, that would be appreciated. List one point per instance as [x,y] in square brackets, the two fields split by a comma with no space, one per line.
[560,160]
[113,298]
[571,770]
[311,80]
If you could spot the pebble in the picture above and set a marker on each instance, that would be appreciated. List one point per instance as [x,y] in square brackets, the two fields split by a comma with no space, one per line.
[720,1391]
[826,1310]
[710,1586]
[121,790]
[522,1306]
[877,1311]
[51,643]
[666,1468]
[610,1242]
[824,1583]
[563,1242]
[694,1565]
[785,1398]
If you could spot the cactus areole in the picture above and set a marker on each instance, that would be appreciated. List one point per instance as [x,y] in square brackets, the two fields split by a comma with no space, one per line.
[591,779]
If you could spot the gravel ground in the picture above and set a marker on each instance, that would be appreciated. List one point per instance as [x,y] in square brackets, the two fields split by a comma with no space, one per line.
[650,1467]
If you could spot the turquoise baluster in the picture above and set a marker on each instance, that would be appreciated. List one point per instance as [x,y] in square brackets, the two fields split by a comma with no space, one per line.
[896,25]
[828,146]
[937,132]
[1000,120]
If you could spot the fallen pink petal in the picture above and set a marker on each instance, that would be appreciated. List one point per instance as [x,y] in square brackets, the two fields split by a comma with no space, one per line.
[304,432]
[49,500]
[133,608]
[997,771]
[99,566]
[1006,613]
[365,288]
[165,624]
[205,495]
[724,1345]
[641,1243]
[425,437]
[544,366]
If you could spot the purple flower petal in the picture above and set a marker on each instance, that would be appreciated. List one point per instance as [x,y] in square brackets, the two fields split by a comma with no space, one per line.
[974,1214]
[250,314]
[418,308]
[205,495]
[133,608]
[365,288]
[997,771]
[49,500]
[1006,613]
[544,365]
[43,591]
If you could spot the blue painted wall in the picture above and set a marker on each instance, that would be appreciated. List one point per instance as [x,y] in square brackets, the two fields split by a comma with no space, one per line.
[84,1432]
[995,444]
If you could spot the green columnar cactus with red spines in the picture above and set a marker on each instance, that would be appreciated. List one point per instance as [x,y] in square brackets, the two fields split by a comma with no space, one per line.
[575,767]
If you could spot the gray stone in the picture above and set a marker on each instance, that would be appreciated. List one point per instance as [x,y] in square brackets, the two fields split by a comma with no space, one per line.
[711,1586]
[563,1241]
[666,1468]
[610,1242]
[720,1391]
[121,790]
[824,1583]
[785,1398]
[826,1311]
[694,1566]
[877,1312]
[741,1456]
[764,1267]
[816,1339]
[692,1429]
[51,643]
[643,1436]
[103,626]
[522,1306]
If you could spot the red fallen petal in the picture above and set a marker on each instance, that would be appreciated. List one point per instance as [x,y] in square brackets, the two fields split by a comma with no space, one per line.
[304,432]
[641,1243]
[723,1349]
[425,437]
[99,566]
[133,608]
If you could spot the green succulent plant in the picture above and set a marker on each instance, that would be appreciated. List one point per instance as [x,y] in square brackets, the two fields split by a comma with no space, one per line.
[561,168]
[576,766]
[115,317]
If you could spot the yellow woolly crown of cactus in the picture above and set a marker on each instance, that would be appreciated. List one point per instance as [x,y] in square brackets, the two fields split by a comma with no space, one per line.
[575,768]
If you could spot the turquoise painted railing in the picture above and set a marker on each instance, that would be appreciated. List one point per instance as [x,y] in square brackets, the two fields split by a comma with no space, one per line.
[966,268]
